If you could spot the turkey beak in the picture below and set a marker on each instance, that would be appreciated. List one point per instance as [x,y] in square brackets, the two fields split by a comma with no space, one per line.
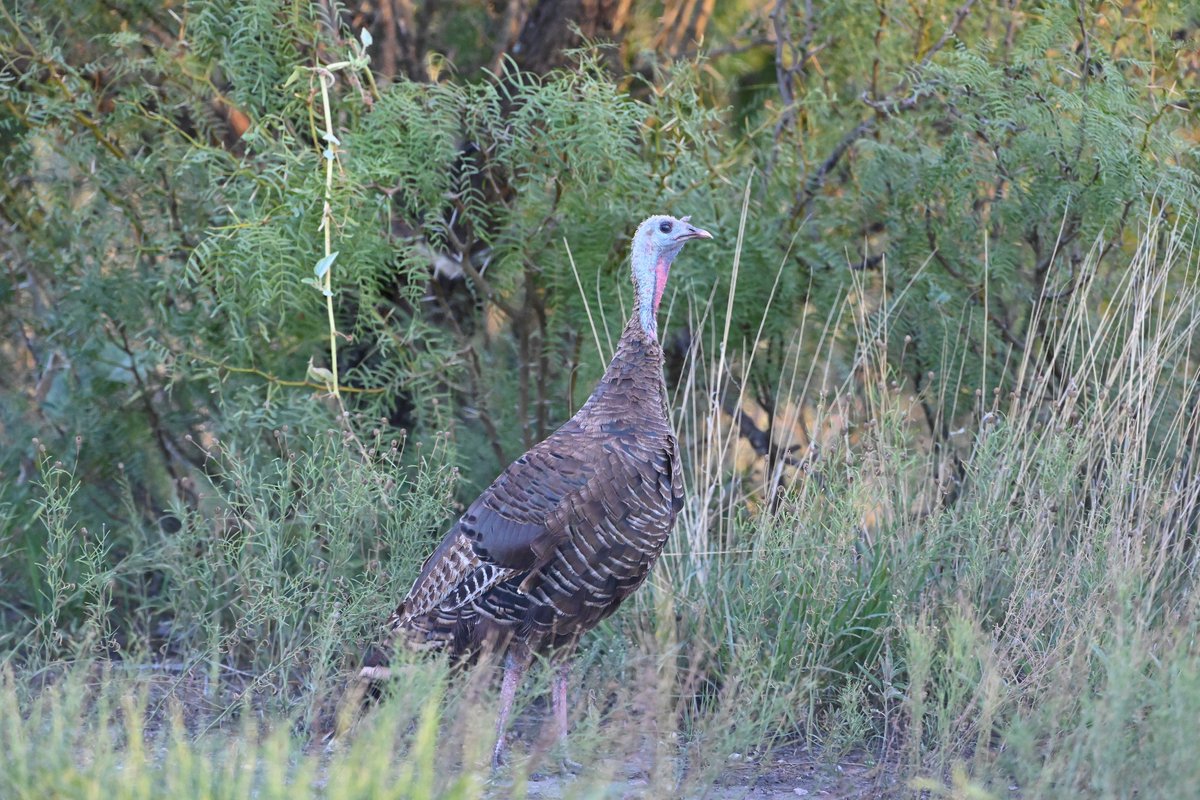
[695,233]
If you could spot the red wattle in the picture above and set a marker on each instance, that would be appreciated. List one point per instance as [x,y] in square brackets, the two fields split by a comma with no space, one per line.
[661,270]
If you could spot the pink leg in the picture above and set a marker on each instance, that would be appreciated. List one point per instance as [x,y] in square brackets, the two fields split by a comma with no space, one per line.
[562,671]
[514,670]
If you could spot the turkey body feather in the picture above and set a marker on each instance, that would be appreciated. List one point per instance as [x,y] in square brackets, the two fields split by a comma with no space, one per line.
[567,531]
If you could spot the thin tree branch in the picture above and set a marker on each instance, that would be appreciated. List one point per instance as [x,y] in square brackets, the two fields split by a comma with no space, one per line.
[883,108]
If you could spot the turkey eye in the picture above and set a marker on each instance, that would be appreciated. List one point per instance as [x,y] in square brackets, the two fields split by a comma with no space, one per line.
[665,227]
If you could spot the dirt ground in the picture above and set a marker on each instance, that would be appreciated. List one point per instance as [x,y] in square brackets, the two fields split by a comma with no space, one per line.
[788,773]
[795,772]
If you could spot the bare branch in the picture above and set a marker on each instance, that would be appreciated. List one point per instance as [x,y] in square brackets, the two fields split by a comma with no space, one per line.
[883,108]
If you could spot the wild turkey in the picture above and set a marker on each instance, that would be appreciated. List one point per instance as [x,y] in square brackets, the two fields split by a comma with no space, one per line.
[571,528]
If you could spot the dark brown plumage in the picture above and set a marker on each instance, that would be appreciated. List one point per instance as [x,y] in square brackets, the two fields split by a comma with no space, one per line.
[571,528]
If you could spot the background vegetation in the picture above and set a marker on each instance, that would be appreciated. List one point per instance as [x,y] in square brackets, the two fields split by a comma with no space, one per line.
[285,283]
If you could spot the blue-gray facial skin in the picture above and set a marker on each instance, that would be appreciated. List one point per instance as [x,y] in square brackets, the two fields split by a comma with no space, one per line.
[657,241]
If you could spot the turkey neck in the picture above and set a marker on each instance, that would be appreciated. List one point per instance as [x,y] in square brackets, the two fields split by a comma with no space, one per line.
[633,384]
[651,268]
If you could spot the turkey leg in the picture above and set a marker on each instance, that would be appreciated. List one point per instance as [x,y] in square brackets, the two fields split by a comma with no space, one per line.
[514,670]
[562,671]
